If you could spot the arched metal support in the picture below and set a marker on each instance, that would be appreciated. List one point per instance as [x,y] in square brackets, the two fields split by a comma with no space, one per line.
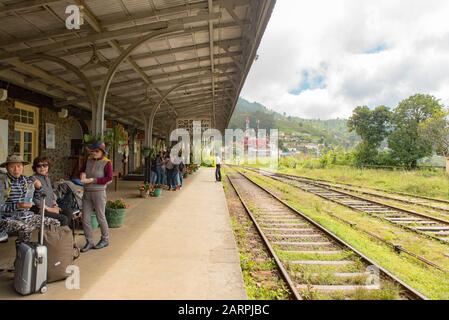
[146,142]
[170,130]
[68,66]
[157,106]
[101,102]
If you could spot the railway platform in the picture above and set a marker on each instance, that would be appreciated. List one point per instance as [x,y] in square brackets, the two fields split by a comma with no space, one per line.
[179,246]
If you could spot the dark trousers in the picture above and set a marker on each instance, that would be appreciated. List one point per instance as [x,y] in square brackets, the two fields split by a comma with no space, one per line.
[218,172]
[169,177]
[64,217]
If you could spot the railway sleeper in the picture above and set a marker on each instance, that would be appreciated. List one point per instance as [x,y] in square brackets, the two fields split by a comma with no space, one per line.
[296,236]
[322,262]
[292,230]
[283,225]
[434,228]
[337,287]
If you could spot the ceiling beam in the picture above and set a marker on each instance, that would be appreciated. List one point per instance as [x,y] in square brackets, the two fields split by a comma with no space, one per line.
[159,76]
[116,19]
[24,5]
[131,39]
[108,35]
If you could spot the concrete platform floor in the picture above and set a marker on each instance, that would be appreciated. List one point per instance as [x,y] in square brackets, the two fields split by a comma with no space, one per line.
[179,246]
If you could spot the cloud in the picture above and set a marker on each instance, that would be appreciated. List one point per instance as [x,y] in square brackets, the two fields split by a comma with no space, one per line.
[321,59]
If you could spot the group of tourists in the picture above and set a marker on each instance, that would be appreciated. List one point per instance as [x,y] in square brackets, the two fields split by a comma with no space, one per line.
[22,198]
[166,173]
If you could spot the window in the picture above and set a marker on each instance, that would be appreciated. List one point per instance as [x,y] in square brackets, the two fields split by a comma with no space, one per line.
[26,130]
[24,116]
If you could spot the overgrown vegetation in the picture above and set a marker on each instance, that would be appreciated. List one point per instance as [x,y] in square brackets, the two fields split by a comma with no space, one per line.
[429,281]
[430,183]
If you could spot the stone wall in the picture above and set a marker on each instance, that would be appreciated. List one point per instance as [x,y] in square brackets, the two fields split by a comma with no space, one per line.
[7,113]
[62,165]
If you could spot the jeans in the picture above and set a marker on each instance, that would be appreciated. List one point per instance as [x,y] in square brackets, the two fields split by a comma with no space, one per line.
[159,175]
[153,177]
[218,172]
[175,179]
[163,176]
[169,177]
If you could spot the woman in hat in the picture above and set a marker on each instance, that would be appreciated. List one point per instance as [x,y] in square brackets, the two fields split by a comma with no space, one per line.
[16,200]
[96,175]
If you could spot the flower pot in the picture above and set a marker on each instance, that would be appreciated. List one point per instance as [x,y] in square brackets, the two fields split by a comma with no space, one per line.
[115,217]
[144,193]
[157,192]
[93,221]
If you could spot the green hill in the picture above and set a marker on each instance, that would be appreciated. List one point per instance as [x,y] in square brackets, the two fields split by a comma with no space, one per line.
[327,133]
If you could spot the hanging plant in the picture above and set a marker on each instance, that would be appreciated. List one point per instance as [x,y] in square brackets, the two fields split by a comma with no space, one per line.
[146,152]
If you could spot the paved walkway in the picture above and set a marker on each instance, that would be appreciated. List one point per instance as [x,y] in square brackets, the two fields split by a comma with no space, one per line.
[179,246]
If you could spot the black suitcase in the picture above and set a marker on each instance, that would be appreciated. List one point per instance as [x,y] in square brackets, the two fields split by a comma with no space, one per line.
[30,266]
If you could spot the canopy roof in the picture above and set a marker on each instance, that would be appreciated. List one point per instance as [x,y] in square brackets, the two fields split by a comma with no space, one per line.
[202,55]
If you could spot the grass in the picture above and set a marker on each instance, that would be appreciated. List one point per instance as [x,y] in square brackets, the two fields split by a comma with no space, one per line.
[431,282]
[422,183]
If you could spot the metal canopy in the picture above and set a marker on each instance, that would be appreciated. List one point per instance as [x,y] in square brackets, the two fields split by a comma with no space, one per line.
[179,58]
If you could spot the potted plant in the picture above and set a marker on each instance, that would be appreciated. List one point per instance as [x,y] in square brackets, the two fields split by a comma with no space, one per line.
[115,213]
[145,190]
[157,192]
[94,221]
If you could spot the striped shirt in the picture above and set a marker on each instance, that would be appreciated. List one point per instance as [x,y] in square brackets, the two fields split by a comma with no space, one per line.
[14,191]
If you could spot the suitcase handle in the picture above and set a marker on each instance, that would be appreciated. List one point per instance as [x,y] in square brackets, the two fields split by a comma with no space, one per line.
[41,236]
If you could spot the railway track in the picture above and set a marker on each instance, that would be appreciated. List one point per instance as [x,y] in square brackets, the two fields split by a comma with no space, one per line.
[314,262]
[441,205]
[418,222]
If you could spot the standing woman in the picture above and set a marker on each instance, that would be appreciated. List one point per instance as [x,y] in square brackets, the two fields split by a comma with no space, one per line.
[95,176]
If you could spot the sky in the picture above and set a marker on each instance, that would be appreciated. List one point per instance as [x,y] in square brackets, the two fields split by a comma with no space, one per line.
[322,58]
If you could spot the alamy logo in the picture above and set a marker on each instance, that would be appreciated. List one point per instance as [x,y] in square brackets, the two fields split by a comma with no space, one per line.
[73,280]
[75,19]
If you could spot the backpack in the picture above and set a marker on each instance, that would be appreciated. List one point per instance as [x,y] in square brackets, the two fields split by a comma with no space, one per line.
[182,167]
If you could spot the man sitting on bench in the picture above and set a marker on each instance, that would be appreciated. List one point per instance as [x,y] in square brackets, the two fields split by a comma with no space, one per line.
[16,200]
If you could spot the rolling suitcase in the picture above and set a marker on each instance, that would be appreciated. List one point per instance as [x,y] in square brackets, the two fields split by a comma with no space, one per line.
[30,266]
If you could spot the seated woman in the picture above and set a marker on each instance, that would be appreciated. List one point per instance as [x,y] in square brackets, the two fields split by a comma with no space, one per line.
[41,167]
[15,214]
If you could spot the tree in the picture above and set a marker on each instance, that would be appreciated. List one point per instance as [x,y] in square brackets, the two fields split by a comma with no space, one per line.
[407,142]
[372,126]
[436,130]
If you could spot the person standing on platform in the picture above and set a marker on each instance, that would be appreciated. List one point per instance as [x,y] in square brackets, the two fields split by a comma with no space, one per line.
[169,167]
[218,168]
[95,176]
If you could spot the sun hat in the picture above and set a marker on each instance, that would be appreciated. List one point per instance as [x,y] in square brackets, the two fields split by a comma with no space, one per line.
[14,159]
[97,145]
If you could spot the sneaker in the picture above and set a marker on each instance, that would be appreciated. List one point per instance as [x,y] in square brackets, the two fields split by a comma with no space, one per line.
[102,244]
[87,247]
[3,236]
